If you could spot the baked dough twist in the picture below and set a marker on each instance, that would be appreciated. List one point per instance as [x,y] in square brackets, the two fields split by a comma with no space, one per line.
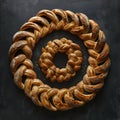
[73,64]
[39,26]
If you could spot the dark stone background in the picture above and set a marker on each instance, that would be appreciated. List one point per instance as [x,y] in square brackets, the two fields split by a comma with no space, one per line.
[14,105]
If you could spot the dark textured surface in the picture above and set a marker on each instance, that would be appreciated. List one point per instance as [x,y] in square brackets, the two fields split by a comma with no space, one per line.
[14,105]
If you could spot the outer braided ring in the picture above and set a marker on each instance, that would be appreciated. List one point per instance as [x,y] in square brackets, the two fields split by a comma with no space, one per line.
[39,26]
[73,64]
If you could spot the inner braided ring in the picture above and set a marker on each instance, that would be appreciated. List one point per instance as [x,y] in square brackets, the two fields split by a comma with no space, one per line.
[74,59]
[36,28]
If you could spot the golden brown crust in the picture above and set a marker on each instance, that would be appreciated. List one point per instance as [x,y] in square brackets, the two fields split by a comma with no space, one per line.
[39,26]
[74,59]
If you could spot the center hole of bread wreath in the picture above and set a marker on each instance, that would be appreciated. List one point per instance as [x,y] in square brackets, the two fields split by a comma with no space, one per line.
[60,60]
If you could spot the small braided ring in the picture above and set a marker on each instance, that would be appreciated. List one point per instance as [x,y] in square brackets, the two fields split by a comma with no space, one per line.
[45,22]
[74,59]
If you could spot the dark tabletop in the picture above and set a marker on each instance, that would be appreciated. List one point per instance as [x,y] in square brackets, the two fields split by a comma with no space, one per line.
[15,105]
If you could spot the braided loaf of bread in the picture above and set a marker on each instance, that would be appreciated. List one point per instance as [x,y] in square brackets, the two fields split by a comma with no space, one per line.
[39,26]
[73,64]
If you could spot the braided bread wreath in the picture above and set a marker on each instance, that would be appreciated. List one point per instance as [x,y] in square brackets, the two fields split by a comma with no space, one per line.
[38,27]
[73,64]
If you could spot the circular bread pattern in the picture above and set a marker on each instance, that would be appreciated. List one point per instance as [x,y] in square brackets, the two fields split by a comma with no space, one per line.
[45,22]
[72,50]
